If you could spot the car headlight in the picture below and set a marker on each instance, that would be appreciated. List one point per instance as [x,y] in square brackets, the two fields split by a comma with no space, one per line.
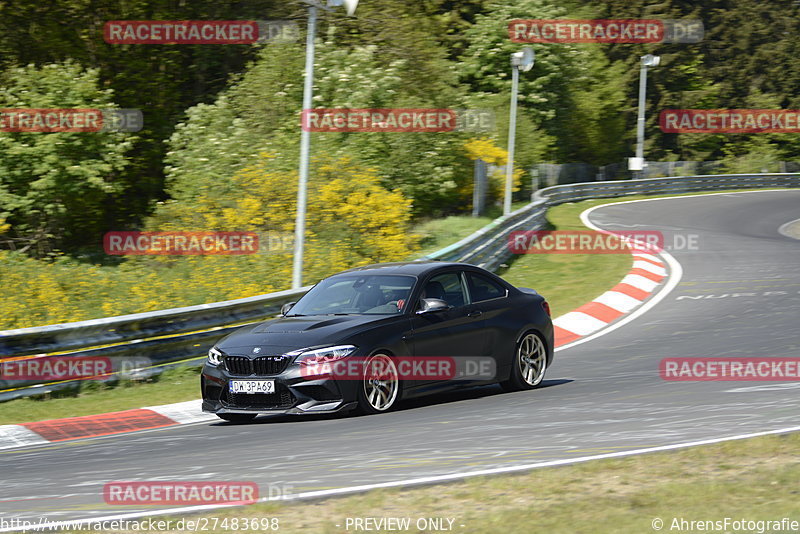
[214,356]
[324,355]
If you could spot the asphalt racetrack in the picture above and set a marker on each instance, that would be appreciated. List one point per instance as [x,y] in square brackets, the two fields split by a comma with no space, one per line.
[739,295]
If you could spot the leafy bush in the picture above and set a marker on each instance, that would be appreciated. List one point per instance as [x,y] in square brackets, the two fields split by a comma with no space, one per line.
[54,186]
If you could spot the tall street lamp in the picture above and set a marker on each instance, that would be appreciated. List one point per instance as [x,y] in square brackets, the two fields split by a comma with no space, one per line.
[637,163]
[520,61]
[305,134]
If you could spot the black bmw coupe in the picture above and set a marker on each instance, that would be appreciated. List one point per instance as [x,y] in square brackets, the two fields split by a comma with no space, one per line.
[366,338]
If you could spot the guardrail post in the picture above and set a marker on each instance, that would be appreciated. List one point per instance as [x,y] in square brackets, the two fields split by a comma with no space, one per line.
[479,188]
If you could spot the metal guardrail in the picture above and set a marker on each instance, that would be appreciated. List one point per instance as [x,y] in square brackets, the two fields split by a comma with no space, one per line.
[171,336]
[657,186]
[125,328]
[154,339]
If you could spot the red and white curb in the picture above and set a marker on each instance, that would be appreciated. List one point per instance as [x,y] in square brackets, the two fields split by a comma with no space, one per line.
[644,278]
[92,426]
[651,278]
[184,413]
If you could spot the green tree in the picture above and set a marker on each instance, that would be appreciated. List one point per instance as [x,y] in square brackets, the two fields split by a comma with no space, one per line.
[54,186]
[749,57]
[571,94]
[161,80]
[262,113]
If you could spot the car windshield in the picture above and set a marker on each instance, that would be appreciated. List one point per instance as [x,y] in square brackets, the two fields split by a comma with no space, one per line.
[356,294]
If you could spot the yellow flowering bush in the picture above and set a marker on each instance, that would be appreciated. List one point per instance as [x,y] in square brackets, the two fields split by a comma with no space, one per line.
[485,149]
[351,220]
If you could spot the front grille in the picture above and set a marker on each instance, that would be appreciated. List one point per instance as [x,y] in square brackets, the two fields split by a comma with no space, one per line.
[238,365]
[262,366]
[281,399]
[270,365]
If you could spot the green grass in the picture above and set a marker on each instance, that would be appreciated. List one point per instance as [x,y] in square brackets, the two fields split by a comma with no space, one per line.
[568,280]
[438,233]
[435,234]
[753,479]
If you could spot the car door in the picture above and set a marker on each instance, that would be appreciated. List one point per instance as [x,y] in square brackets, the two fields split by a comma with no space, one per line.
[489,298]
[456,332]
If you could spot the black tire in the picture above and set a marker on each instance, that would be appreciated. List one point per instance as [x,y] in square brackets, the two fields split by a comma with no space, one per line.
[379,387]
[530,364]
[237,417]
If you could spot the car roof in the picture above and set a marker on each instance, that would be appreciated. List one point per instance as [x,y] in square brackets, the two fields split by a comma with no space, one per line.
[414,268]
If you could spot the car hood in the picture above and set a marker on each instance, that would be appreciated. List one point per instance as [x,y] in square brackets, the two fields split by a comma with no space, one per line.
[285,334]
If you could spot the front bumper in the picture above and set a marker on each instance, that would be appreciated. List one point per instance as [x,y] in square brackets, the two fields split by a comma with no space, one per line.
[294,393]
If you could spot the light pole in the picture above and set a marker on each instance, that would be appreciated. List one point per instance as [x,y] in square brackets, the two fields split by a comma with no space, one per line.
[648,60]
[305,134]
[520,61]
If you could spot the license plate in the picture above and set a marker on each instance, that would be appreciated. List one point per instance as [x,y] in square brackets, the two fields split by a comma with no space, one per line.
[252,386]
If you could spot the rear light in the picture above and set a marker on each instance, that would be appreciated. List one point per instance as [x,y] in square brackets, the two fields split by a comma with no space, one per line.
[546,307]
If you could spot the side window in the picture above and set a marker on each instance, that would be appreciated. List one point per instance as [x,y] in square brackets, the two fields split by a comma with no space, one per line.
[445,286]
[482,288]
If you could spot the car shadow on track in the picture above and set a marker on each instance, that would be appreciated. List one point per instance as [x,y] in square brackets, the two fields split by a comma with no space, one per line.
[470,393]
[433,399]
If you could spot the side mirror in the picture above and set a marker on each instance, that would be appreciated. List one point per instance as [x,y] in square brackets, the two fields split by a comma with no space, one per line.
[432,305]
[286,307]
